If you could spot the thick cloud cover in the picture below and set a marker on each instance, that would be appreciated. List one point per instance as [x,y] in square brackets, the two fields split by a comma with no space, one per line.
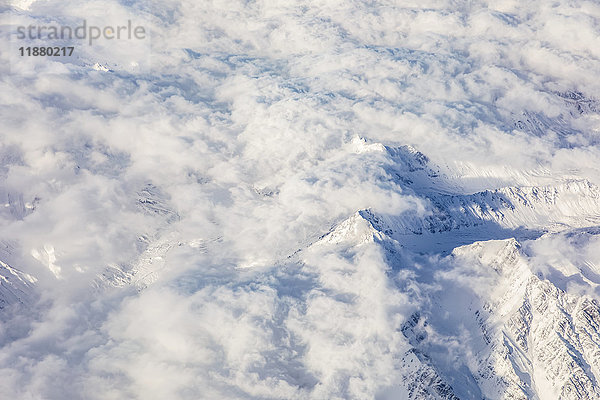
[159,190]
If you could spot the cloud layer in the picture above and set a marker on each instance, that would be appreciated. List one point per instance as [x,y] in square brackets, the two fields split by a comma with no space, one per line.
[206,156]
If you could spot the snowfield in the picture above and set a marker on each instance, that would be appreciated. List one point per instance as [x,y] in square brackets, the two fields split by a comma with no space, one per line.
[302,200]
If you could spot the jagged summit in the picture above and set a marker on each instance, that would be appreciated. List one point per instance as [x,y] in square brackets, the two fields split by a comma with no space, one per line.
[361,227]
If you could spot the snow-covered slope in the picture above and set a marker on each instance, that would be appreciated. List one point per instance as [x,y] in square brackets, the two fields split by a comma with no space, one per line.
[15,286]
[540,342]
[523,335]
[516,333]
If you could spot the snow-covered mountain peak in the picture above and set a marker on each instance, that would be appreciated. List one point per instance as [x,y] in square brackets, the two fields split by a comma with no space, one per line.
[361,145]
[357,229]
[501,255]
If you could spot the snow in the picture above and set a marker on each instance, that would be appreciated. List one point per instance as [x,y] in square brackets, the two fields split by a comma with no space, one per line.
[302,200]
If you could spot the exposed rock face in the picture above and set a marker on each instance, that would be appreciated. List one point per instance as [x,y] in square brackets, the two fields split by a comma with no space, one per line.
[15,286]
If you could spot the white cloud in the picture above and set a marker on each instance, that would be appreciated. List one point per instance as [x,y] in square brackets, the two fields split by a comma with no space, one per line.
[243,116]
